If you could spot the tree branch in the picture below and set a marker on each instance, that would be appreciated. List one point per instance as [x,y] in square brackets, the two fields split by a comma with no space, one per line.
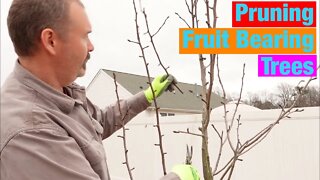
[153,94]
[164,22]
[220,149]
[249,144]
[123,130]
[188,132]
[154,46]
[183,20]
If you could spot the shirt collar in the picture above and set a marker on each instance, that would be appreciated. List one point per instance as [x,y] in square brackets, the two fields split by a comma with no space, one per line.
[64,102]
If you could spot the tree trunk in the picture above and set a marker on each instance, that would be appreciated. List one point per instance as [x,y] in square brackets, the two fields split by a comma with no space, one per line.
[207,171]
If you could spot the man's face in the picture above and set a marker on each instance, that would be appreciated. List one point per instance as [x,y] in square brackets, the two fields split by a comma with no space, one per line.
[75,47]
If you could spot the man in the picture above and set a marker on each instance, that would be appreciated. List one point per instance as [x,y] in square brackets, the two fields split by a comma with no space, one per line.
[49,129]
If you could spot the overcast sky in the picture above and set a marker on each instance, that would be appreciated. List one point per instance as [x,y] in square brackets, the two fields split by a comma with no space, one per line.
[113,24]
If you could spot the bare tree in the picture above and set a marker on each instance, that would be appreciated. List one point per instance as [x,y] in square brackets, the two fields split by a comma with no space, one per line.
[207,63]
[285,94]
[310,97]
[266,101]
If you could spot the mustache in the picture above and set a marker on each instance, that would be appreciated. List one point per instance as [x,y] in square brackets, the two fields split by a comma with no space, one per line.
[88,56]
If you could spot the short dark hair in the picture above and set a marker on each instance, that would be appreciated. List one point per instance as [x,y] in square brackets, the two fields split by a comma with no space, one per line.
[27,19]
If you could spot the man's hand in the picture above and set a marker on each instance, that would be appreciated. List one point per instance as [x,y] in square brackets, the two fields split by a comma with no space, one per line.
[186,172]
[160,84]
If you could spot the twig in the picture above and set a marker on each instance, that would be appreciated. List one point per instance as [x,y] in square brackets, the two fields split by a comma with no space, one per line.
[188,132]
[227,126]
[220,149]
[153,92]
[207,13]
[195,13]
[189,9]
[211,77]
[214,9]
[183,20]
[230,167]
[238,135]
[123,130]
[133,41]
[216,130]
[240,95]
[225,166]
[236,109]
[220,81]
[154,46]
[164,22]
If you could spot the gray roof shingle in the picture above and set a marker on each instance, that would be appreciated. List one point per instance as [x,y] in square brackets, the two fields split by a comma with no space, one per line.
[190,99]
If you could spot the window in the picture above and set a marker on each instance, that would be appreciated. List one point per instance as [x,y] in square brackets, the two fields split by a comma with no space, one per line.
[167,114]
[163,114]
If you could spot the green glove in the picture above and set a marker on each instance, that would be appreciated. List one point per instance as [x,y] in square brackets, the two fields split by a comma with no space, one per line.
[186,172]
[159,84]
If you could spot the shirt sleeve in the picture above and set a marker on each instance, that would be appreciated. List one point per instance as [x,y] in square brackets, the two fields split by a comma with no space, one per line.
[44,154]
[110,117]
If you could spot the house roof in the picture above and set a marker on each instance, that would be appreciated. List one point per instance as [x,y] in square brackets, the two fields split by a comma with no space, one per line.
[190,99]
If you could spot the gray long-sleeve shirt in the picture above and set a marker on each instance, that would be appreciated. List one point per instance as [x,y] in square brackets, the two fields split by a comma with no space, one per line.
[46,134]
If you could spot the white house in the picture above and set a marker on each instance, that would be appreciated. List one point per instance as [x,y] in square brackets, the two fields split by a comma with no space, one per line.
[174,103]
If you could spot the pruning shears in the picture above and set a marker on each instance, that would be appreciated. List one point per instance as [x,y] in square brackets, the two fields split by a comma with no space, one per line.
[189,155]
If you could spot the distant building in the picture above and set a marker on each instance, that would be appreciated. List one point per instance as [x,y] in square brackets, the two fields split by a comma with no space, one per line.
[101,90]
